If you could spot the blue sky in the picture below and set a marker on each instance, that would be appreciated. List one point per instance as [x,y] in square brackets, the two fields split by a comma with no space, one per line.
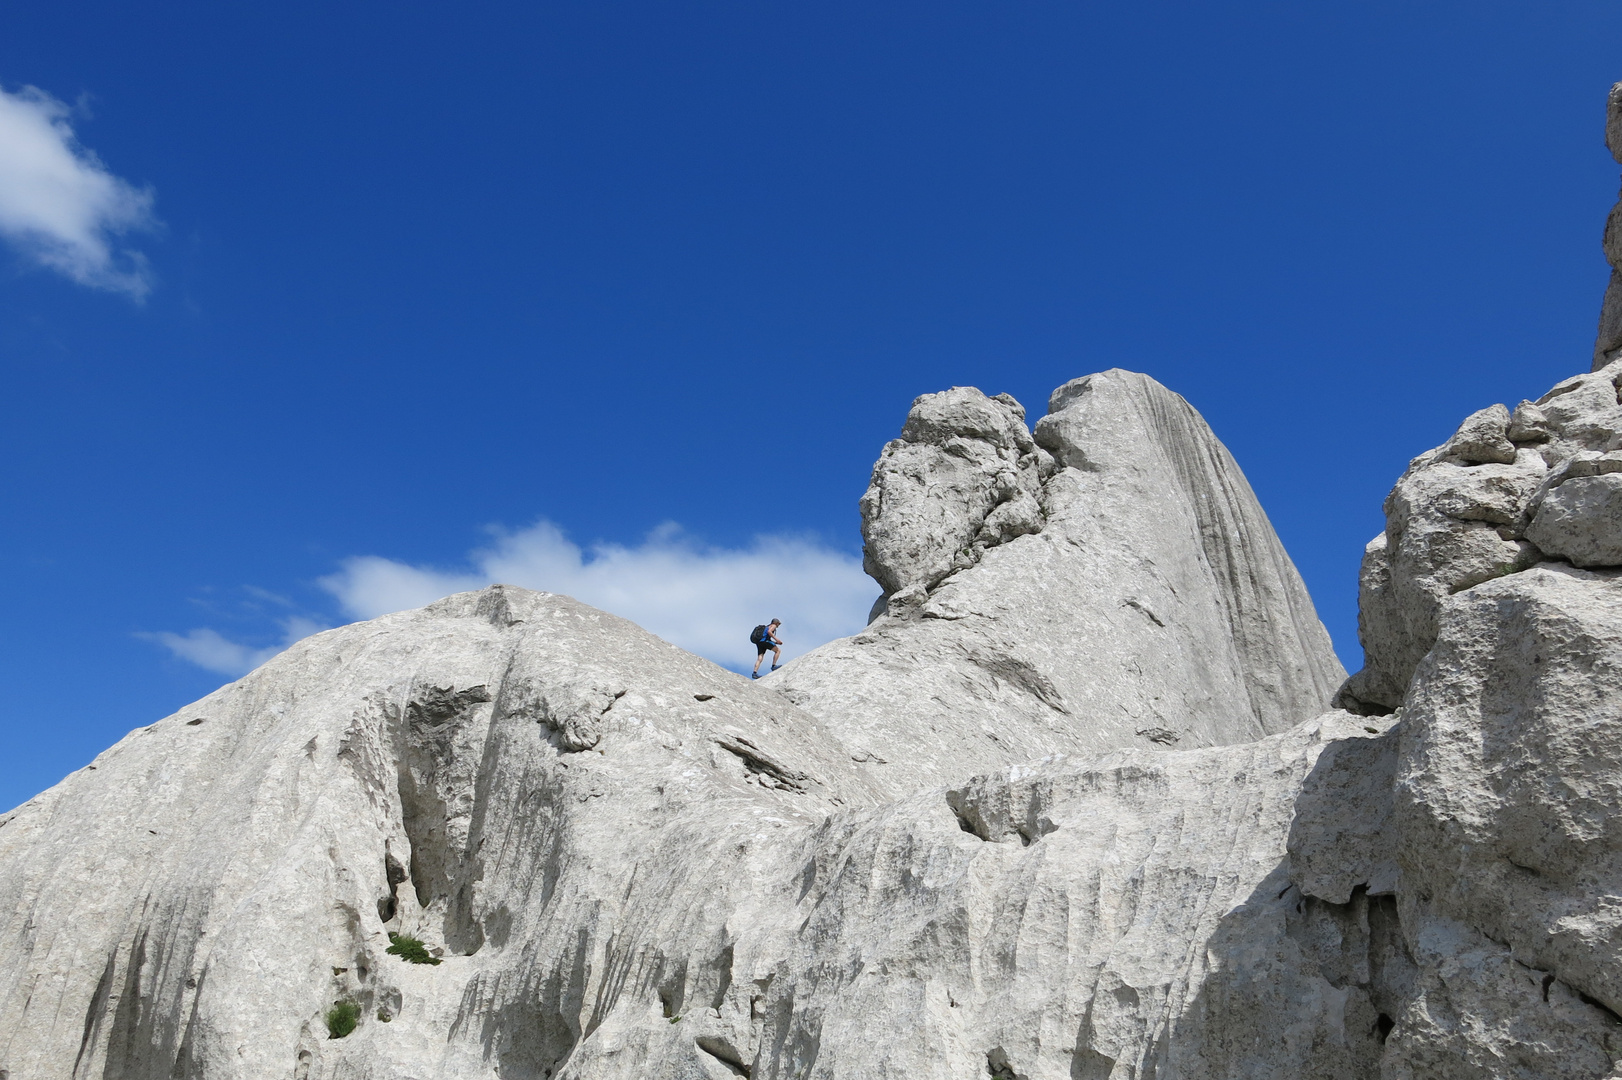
[319,311]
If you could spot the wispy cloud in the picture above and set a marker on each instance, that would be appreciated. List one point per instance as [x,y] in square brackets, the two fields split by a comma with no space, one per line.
[704,599]
[213,651]
[59,205]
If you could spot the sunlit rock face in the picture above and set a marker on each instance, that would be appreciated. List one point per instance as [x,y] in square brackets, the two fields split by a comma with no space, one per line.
[1069,809]
[1508,491]
[629,863]
[1110,581]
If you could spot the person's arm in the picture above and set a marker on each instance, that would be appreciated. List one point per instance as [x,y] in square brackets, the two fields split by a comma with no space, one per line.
[775,638]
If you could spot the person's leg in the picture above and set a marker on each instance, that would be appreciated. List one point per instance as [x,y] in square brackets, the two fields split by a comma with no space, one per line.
[760,654]
[777,657]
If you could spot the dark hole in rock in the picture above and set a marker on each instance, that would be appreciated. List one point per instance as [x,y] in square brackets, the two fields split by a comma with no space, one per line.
[1382,1027]
[997,1066]
[388,906]
[725,1053]
[194,723]
[703,697]
[1600,1005]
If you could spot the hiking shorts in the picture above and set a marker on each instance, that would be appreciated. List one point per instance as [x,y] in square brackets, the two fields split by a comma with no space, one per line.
[764,647]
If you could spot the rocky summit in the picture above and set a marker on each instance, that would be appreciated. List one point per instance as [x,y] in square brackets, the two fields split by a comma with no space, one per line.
[1090,798]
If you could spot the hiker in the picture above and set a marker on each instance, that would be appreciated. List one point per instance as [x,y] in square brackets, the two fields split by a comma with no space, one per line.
[765,637]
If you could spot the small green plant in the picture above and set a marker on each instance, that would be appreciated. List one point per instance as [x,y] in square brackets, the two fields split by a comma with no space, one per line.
[409,949]
[342,1018]
[675,1019]
[383,1015]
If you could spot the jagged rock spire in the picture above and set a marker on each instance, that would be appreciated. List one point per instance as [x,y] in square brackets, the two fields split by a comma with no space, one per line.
[1608,344]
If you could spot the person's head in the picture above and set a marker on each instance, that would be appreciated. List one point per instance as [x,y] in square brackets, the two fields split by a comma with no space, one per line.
[777,622]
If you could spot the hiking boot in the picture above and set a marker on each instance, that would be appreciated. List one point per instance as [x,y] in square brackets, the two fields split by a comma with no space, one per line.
[776,666]
[756,675]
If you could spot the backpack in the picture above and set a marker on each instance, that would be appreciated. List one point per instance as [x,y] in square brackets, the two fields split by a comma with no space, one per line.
[758,634]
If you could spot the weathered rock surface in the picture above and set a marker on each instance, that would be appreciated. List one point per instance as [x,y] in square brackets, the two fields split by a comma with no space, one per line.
[632,864]
[1130,915]
[497,774]
[964,476]
[1470,511]
[1608,342]
[1148,603]
[624,880]
[1496,798]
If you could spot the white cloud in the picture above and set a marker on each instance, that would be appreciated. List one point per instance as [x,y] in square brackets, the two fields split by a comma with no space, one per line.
[703,599]
[58,203]
[213,651]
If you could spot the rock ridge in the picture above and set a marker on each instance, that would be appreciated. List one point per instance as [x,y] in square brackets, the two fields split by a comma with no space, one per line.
[1108,580]
[622,861]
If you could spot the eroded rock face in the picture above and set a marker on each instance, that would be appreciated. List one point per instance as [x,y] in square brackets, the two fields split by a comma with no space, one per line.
[567,809]
[1153,607]
[1485,816]
[1463,514]
[1130,915]
[1508,782]
[1608,342]
[963,477]
[633,864]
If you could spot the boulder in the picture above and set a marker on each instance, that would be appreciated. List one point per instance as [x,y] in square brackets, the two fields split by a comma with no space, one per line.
[1483,437]
[959,480]
[1581,521]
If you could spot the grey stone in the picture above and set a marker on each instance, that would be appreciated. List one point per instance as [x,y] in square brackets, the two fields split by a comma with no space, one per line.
[959,480]
[1613,122]
[528,785]
[634,864]
[1509,766]
[1448,527]
[1455,520]
[1528,424]
[1608,340]
[1581,521]
[1342,840]
[1148,603]
[1483,437]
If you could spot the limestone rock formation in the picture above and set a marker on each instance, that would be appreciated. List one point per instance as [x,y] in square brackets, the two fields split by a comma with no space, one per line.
[630,863]
[1504,493]
[1507,785]
[563,806]
[1608,342]
[964,476]
[1110,582]
[616,861]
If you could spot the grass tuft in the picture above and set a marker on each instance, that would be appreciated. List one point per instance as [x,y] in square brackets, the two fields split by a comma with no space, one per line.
[409,949]
[342,1018]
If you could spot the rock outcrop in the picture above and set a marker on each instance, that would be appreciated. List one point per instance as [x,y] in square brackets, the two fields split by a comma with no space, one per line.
[1506,492]
[964,476]
[509,837]
[1608,342]
[566,809]
[1109,582]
